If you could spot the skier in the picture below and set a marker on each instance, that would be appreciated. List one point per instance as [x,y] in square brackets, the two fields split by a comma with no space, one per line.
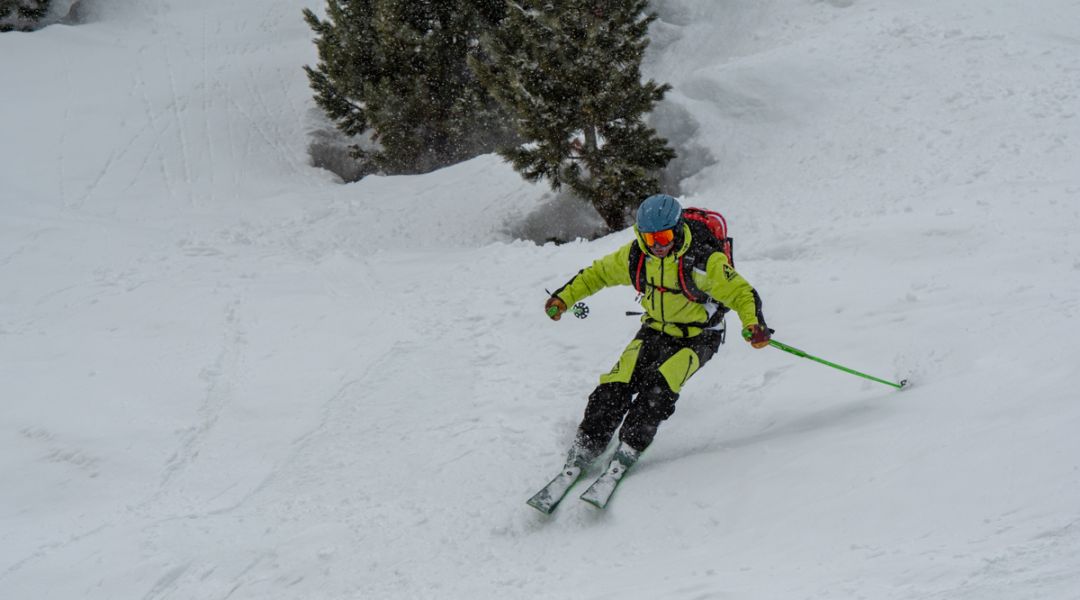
[676,338]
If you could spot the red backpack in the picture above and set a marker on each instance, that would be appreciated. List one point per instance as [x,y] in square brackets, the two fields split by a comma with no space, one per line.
[708,235]
[717,227]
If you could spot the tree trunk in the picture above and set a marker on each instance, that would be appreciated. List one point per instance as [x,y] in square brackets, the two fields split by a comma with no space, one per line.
[590,141]
[609,209]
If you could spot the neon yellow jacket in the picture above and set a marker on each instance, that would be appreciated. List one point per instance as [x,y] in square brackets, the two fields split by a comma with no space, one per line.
[666,308]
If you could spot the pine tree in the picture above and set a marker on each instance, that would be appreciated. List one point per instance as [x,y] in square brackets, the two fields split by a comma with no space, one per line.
[22,15]
[569,71]
[397,69]
[348,62]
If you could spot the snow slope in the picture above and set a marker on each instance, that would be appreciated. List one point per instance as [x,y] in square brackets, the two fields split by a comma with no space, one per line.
[225,375]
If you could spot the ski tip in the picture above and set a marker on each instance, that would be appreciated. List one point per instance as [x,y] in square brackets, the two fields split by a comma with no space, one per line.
[903,384]
[595,499]
[544,509]
[598,504]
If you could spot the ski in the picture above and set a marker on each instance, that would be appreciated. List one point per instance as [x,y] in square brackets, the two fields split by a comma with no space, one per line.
[549,497]
[599,493]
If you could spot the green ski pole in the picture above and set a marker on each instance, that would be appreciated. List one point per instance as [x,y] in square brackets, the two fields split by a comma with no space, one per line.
[800,353]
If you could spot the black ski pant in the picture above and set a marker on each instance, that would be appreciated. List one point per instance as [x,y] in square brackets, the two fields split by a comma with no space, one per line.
[653,368]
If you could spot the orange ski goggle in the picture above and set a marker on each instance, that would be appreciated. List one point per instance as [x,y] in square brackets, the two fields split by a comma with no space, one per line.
[659,238]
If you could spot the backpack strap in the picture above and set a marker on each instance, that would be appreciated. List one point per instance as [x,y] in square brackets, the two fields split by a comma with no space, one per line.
[704,326]
[683,327]
[687,264]
[696,258]
[702,246]
[690,289]
[636,264]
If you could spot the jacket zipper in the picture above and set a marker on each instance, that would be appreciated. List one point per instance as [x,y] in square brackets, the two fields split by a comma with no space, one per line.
[663,318]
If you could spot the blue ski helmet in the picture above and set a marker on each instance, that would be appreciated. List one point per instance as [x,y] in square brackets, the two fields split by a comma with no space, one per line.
[658,213]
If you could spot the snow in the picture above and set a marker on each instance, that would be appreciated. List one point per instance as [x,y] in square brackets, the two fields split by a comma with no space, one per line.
[226,375]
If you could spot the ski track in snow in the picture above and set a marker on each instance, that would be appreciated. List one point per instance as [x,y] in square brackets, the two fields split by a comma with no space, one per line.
[227,376]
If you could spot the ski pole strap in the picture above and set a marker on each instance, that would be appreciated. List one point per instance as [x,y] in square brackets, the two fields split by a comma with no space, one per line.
[802,354]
